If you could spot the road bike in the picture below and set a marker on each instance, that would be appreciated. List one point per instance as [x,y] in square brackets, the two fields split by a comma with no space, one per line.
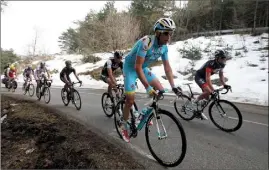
[71,95]
[44,89]
[109,102]
[155,114]
[28,87]
[189,110]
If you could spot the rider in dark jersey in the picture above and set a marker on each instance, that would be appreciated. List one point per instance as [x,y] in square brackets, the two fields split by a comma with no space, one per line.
[202,76]
[27,74]
[66,71]
[110,66]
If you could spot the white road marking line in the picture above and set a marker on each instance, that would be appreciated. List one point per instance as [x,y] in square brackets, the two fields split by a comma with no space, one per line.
[249,121]
[135,148]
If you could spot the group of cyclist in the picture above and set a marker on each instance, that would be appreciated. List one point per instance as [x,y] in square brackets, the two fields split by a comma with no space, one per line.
[145,51]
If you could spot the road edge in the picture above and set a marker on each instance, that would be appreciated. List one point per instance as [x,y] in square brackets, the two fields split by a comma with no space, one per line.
[124,147]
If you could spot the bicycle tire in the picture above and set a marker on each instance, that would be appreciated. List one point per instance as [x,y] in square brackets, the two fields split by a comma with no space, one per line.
[77,107]
[62,92]
[234,107]
[39,97]
[102,103]
[31,86]
[183,137]
[46,89]
[115,113]
[182,115]
[24,90]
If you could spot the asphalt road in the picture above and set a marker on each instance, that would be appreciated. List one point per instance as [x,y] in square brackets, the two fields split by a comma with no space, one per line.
[208,147]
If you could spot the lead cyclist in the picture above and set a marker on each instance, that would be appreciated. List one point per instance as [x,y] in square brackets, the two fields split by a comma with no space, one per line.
[145,51]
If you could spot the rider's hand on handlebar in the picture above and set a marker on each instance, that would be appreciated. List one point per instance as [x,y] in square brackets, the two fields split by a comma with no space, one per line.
[176,90]
[227,86]
[151,91]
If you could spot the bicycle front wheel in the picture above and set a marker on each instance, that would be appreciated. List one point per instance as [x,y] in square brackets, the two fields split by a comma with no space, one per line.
[223,108]
[76,99]
[47,95]
[162,135]
[107,104]
[31,90]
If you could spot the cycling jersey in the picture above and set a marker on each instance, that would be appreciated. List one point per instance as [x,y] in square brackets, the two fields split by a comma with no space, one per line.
[40,71]
[67,71]
[11,73]
[210,66]
[27,72]
[148,48]
[111,63]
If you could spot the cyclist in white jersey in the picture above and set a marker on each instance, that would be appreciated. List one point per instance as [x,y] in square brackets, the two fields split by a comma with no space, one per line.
[39,72]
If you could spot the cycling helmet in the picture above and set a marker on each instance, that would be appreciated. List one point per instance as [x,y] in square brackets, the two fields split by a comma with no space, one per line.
[118,54]
[220,53]
[12,67]
[164,24]
[29,68]
[42,64]
[68,63]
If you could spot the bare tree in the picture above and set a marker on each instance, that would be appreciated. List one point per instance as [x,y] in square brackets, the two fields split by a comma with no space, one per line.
[121,30]
[255,17]
[3,3]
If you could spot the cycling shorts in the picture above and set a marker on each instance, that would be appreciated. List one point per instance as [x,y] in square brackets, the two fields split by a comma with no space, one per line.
[130,77]
[104,78]
[201,81]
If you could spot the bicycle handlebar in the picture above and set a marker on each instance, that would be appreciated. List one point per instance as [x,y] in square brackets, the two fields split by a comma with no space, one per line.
[227,90]
[77,83]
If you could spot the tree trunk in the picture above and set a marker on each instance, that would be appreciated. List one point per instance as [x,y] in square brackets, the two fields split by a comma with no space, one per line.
[255,16]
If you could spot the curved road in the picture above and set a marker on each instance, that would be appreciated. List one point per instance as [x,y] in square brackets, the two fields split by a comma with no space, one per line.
[208,147]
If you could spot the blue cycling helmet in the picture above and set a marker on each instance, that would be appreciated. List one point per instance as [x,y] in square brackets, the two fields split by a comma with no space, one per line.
[165,24]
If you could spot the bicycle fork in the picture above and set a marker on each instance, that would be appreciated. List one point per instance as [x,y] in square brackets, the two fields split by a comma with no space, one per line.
[158,118]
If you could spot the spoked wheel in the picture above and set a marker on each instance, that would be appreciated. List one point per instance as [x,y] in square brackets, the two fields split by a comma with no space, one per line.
[76,99]
[31,90]
[24,89]
[184,108]
[168,150]
[47,94]
[118,117]
[39,93]
[223,109]
[64,97]
[107,105]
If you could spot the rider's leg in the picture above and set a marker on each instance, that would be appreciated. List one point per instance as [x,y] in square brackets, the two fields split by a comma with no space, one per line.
[110,85]
[129,87]
[206,92]
[152,79]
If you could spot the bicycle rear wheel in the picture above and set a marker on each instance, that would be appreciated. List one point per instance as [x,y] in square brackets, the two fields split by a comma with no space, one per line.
[105,106]
[184,110]
[76,99]
[159,123]
[219,105]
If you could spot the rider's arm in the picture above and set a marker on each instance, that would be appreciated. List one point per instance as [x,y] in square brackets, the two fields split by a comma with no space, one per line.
[109,71]
[75,73]
[36,74]
[140,58]
[221,77]
[207,77]
[8,70]
[167,69]
[48,73]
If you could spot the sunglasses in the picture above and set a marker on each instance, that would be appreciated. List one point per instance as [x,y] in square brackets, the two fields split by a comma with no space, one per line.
[166,33]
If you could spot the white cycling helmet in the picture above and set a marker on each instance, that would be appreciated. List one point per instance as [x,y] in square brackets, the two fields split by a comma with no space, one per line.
[165,24]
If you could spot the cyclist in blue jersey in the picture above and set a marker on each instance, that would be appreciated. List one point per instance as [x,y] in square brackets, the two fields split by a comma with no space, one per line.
[145,51]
